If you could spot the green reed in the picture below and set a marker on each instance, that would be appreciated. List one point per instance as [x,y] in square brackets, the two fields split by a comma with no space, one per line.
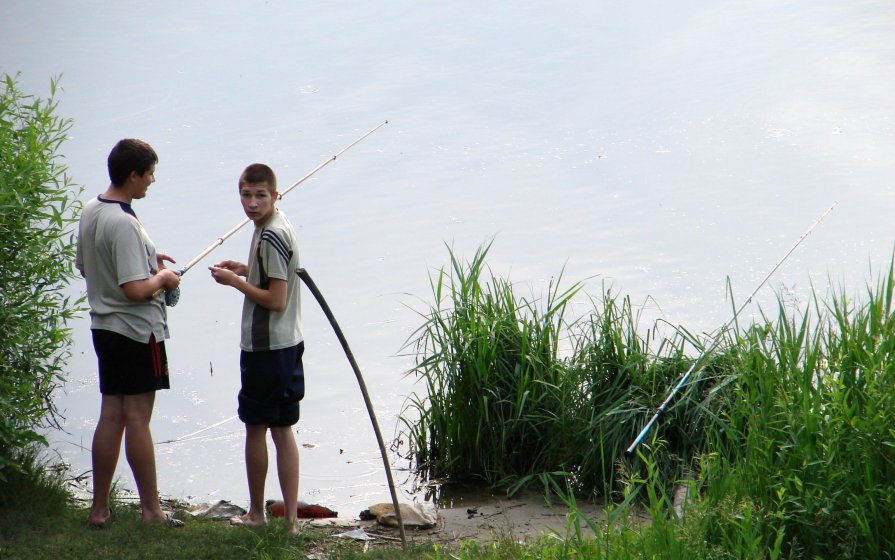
[505,404]
[491,366]
[808,448]
[785,430]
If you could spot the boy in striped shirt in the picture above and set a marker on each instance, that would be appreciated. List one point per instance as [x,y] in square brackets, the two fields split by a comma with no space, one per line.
[272,344]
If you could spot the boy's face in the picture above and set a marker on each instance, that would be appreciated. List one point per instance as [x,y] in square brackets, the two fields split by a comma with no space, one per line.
[140,183]
[257,201]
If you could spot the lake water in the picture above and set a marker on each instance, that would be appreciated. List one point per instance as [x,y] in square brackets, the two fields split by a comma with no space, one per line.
[657,148]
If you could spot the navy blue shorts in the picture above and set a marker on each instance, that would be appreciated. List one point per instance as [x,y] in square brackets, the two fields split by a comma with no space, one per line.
[128,367]
[273,383]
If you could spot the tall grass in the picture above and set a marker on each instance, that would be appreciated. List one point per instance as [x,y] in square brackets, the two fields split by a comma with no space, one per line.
[491,365]
[37,486]
[785,428]
[814,452]
[505,405]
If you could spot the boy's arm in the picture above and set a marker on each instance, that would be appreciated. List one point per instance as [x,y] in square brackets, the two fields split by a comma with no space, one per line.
[79,257]
[139,290]
[273,298]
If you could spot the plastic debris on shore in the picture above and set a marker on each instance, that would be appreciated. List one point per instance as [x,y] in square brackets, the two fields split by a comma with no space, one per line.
[357,534]
[334,522]
[419,516]
[219,510]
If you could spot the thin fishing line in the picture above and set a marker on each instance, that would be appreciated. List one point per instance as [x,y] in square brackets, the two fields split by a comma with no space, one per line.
[205,429]
[716,339]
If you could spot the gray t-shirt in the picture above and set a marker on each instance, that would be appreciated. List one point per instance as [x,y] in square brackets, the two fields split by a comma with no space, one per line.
[273,254]
[113,249]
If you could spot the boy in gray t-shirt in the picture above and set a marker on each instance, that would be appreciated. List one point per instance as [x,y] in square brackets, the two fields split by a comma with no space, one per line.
[272,345]
[125,276]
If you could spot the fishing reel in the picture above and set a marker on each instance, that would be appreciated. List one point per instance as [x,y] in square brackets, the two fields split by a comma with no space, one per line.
[173,296]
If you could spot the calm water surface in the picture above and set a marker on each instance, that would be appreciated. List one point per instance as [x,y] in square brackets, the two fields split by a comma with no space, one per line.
[658,149]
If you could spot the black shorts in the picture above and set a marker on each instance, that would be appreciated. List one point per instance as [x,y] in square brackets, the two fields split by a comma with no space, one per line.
[128,367]
[273,383]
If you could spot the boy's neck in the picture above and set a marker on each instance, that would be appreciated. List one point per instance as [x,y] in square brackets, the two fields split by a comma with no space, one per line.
[118,194]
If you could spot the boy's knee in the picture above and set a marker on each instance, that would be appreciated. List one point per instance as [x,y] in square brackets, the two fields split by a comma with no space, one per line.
[281,431]
[112,418]
[281,434]
[256,431]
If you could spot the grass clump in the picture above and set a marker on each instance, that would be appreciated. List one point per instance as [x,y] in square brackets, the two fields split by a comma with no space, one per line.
[35,488]
[490,365]
[811,452]
[783,433]
[516,392]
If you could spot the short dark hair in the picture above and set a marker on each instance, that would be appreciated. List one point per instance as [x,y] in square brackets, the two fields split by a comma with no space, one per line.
[129,155]
[258,173]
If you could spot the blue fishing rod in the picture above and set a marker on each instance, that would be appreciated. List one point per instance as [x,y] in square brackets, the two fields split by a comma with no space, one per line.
[699,361]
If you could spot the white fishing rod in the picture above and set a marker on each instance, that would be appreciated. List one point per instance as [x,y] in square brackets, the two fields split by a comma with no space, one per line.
[172,297]
[220,240]
[726,325]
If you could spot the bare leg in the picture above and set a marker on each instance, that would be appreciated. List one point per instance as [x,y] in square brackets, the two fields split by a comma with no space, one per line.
[105,452]
[287,471]
[140,452]
[256,471]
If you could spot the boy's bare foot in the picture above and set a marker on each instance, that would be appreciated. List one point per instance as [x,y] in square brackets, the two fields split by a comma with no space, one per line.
[165,518]
[296,526]
[247,520]
[98,519]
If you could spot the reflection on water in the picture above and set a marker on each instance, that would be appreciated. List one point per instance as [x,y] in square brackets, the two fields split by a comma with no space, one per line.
[655,149]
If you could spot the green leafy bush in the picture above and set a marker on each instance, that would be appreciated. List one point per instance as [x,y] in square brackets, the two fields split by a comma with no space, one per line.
[38,210]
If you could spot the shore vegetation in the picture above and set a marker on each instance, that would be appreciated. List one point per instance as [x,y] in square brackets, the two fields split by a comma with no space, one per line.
[781,440]
[38,211]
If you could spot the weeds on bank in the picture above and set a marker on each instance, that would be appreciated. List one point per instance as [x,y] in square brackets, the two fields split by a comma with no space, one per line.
[783,431]
[514,389]
[35,485]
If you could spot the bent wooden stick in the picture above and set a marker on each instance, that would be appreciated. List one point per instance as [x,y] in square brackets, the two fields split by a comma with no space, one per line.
[306,278]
